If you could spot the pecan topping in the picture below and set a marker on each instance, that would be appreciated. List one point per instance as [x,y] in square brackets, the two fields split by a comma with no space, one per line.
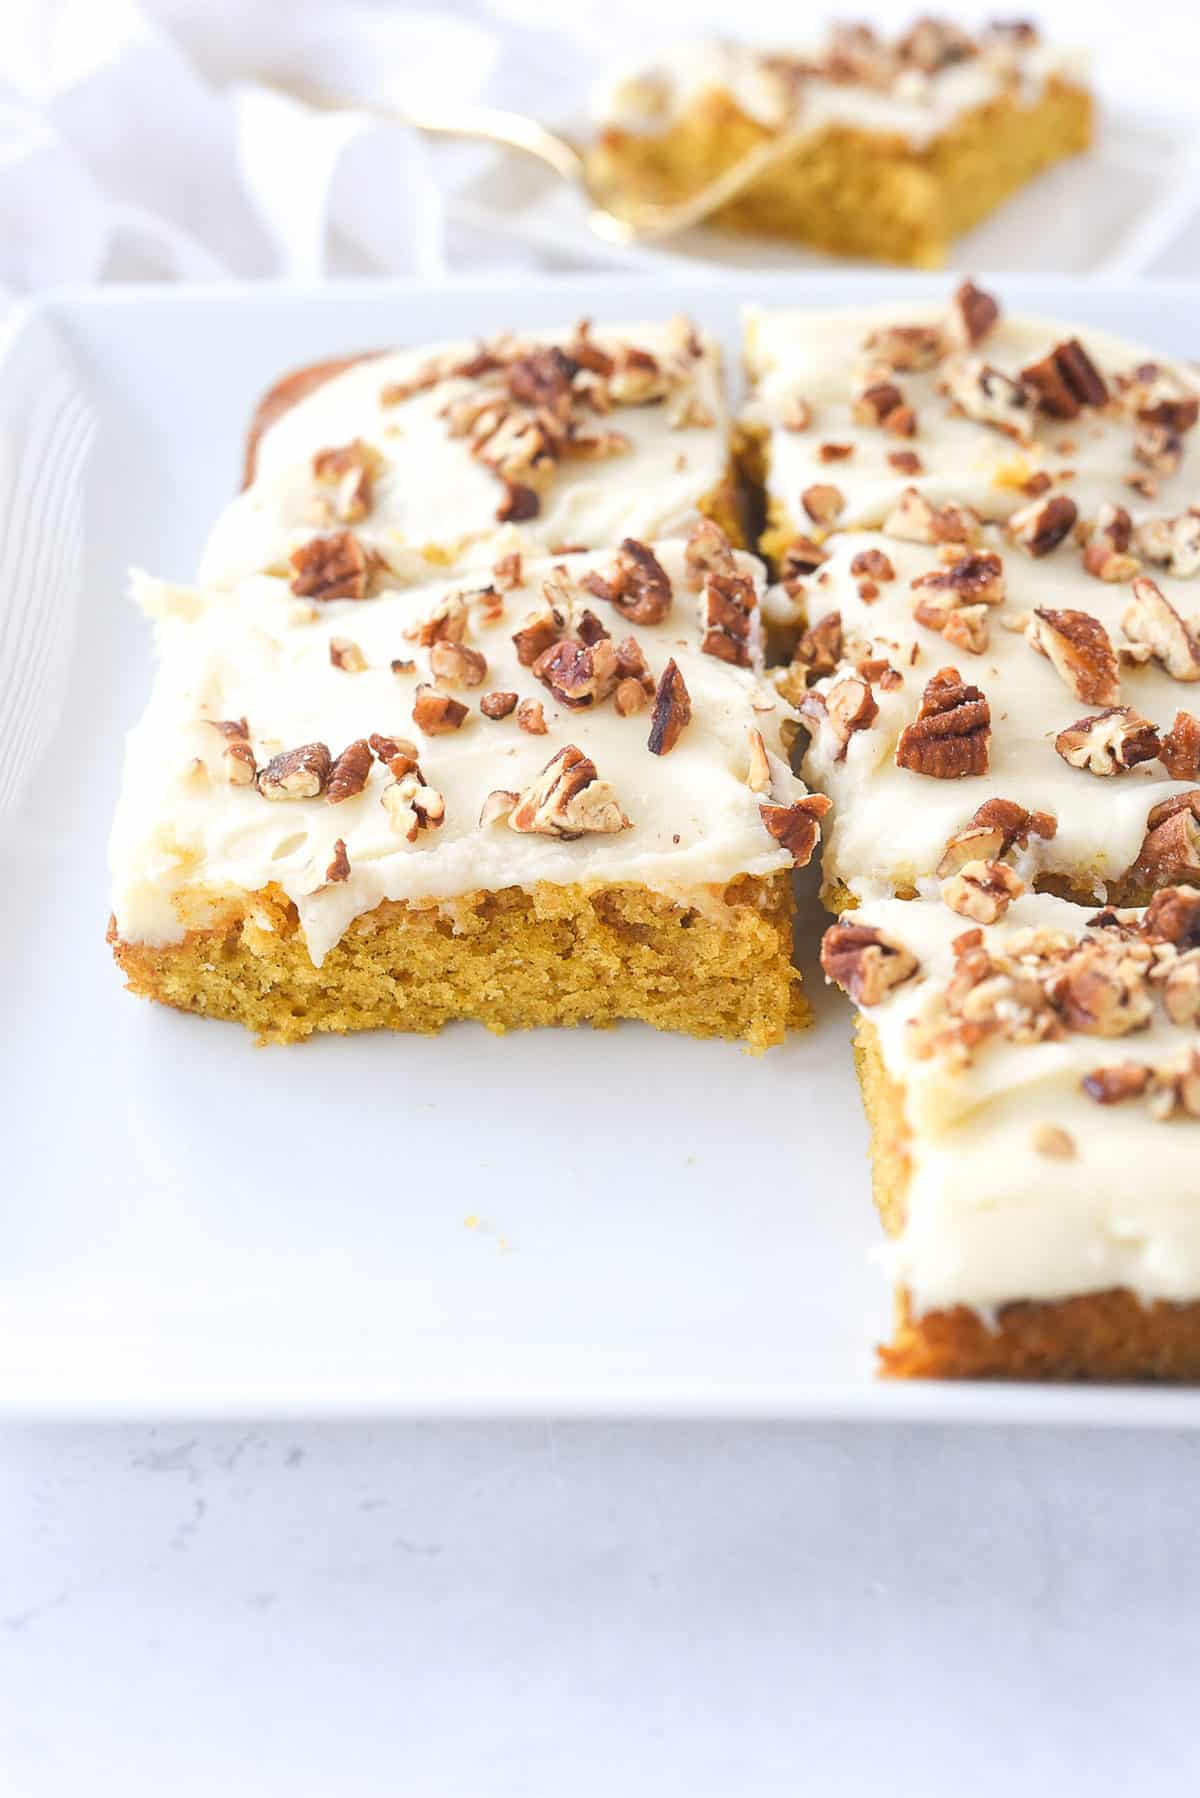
[795,414]
[998,827]
[820,649]
[455,663]
[1054,1141]
[672,711]
[914,520]
[519,504]
[708,552]
[823,503]
[758,778]
[630,697]
[906,462]
[802,556]
[968,629]
[1066,381]
[1152,619]
[1110,742]
[348,774]
[238,761]
[1180,750]
[797,826]
[907,348]
[1077,644]
[1041,526]
[850,706]
[864,962]
[350,472]
[1181,989]
[436,713]
[412,806]
[1173,916]
[834,452]
[531,718]
[1158,448]
[296,773]
[639,586]
[974,579]
[333,567]
[1172,543]
[577,674]
[726,609]
[1170,849]
[972,314]
[881,402]
[339,867]
[1100,990]
[498,705]
[982,890]
[1107,553]
[874,565]
[447,623]
[1118,1081]
[507,572]
[949,736]
[345,654]
[990,397]
[393,749]
[568,800]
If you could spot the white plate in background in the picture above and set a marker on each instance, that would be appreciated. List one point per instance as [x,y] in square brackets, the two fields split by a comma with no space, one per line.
[193,1225]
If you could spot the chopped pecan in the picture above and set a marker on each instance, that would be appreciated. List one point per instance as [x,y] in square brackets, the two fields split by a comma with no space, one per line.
[348,774]
[974,579]
[1107,553]
[823,503]
[864,962]
[577,674]
[1108,742]
[1066,381]
[1099,990]
[237,758]
[796,826]
[630,697]
[1180,750]
[998,827]
[456,663]
[802,556]
[672,711]
[498,705]
[447,623]
[1152,619]
[496,807]
[296,773]
[334,567]
[907,348]
[982,890]
[708,552]
[1077,644]
[906,462]
[1177,1089]
[726,610]
[1173,916]
[1158,448]
[543,378]
[795,414]
[874,564]
[1054,1141]
[989,397]
[339,868]
[968,629]
[1156,395]
[589,629]
[1181,989]
[350,471]
[412,806]
[819,650]
[834,452]
[568,800]
[1172,543]
[914,520]
[520,502]
[878,403]
[540,631]
[233,728]
[972,314]
[1118,1081]
[1170,849]
[345,654]
[436,713]
[850,706]
[391,749]
[638,586]
[1043,524]
[531,718]
[949,737]
[508,572]
[758,777]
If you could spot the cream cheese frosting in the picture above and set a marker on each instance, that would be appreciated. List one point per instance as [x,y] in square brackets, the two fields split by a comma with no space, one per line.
[890,824]
[185,837]
[787,88]
[434,503]
[809,366]
[992,1218]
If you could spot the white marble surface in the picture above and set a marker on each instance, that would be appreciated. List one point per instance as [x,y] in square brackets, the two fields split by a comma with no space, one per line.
[582,1610]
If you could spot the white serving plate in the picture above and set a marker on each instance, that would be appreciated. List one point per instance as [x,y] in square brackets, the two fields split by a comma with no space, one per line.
[196,1225]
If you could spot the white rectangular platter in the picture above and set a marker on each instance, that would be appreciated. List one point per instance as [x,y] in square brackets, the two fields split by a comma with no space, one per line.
[563,1223]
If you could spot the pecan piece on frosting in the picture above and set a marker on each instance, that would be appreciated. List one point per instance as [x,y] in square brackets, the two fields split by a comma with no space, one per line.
[498,704]
[348,774]
[540,631]
[990,397]
[802,556]
[579,674]
[339,867]
[974,579]
[797,826]
[972,315]
[412,806]
[1152,620]
[435,713]
[350,472]
[568,800]
[1180,750]
[344,653]
[914,520]
[296,773]
[1109,742]
[638,586]
[672,711]
[864,962]
[333,567]
[982,890]
[998,827]
[1042,525]
[823,503]
[1171,543]
[1108,552]
[726,609]
[819,650]
[1079,649]
[1173,916]
[1118,1081]
[531,718]
[1097,991]
[907,348]
[708,552]
[949,737]
[1066,381]
[850,706]
[458,664]
[238,761]
[1170,849]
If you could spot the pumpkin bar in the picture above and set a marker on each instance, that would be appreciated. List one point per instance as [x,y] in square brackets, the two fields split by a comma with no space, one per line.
[395,469]
[1027,693]
[965,403]
[559,794]
[1031,1074]
[897,147]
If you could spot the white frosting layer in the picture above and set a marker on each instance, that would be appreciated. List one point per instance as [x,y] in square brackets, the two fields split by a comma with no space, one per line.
[817,357]
[917,107]
[989,1218]
[890,825]
[184,836]
[433,495]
